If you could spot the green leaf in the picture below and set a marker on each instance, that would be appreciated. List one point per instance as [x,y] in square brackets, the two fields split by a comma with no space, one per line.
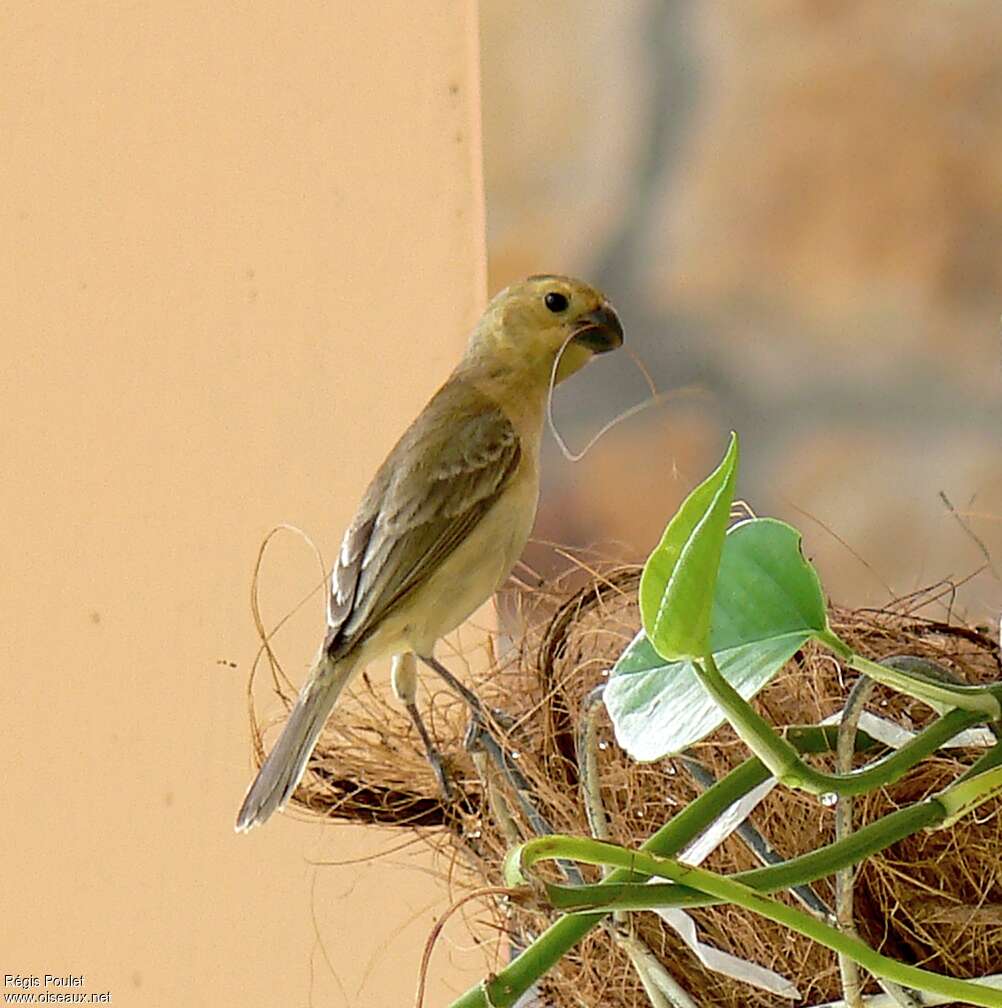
[768,603]
[662,708]
[676,588]
[766,586]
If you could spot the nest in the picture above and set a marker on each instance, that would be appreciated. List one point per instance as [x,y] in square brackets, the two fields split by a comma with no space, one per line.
[933,899]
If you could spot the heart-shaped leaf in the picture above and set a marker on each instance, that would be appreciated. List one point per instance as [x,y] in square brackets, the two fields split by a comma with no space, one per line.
[768,603]
[766,586]
[662,708]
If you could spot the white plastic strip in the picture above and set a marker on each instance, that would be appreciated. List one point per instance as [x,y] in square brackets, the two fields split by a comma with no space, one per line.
[725,963]
[895,736]
[725,824]
[886,1001]
[714,959]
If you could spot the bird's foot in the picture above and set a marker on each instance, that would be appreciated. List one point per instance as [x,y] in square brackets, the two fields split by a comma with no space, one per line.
[433,756]
[445,785]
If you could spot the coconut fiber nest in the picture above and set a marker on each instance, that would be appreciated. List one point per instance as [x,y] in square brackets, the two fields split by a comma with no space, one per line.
[933,899]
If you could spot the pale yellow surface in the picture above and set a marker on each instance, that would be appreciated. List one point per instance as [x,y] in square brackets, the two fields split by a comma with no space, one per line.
[241,245]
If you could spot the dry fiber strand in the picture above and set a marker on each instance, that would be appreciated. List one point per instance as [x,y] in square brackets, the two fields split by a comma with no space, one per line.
[934,899]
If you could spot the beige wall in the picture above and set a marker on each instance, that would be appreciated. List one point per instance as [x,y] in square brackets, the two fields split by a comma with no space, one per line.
[240,247]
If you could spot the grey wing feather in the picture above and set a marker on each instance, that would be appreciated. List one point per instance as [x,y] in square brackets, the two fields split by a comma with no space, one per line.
[344,580]
[437,483]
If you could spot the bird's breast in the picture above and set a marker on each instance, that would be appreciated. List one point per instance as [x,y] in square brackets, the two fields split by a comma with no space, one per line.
[479,565]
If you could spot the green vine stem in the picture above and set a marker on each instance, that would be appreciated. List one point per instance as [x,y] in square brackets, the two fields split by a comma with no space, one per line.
[965,796]
[935,812]
[621,891]
[757,845]
[921,685]
[597,852]
[784,761]
[988,761]
[661,988]
[800,870]
[504,989]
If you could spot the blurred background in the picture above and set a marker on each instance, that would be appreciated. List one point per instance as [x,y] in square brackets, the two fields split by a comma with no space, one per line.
[796,206]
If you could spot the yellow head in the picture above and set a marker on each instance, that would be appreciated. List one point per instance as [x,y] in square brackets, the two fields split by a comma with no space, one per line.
[529,323]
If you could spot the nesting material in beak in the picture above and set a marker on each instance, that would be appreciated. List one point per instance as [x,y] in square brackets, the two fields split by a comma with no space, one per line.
[600,330]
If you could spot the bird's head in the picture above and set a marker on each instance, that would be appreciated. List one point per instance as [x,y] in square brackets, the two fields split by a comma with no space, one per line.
[528,324]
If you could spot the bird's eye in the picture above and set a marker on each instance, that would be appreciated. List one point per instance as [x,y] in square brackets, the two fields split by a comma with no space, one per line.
[556,302]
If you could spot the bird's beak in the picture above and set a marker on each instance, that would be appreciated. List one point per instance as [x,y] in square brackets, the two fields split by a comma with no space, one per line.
[600,330]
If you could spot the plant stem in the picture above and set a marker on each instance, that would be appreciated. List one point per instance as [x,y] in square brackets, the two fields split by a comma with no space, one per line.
[662,990]
[504,989]
[988,761]
[772,749]
[786,765]
[845,878]
[515,979]
[800,870]
[730,891]
[925,687]
[757,844]
[966,795]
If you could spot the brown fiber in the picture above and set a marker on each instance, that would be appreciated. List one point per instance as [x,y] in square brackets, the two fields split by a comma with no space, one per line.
[935,899]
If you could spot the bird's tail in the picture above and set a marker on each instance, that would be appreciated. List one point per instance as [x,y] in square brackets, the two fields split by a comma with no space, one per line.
[284,767]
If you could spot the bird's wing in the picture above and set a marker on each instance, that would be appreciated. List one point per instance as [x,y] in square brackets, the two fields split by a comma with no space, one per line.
[437,483]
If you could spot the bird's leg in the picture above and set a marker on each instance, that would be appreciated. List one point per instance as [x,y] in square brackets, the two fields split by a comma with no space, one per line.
[404,680]
[479,739]
[471,698]
[464,691]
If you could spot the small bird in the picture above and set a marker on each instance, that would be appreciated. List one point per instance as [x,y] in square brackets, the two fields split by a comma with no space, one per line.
[447,514]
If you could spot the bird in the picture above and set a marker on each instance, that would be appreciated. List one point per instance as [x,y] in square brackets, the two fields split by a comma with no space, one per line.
[447,514]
